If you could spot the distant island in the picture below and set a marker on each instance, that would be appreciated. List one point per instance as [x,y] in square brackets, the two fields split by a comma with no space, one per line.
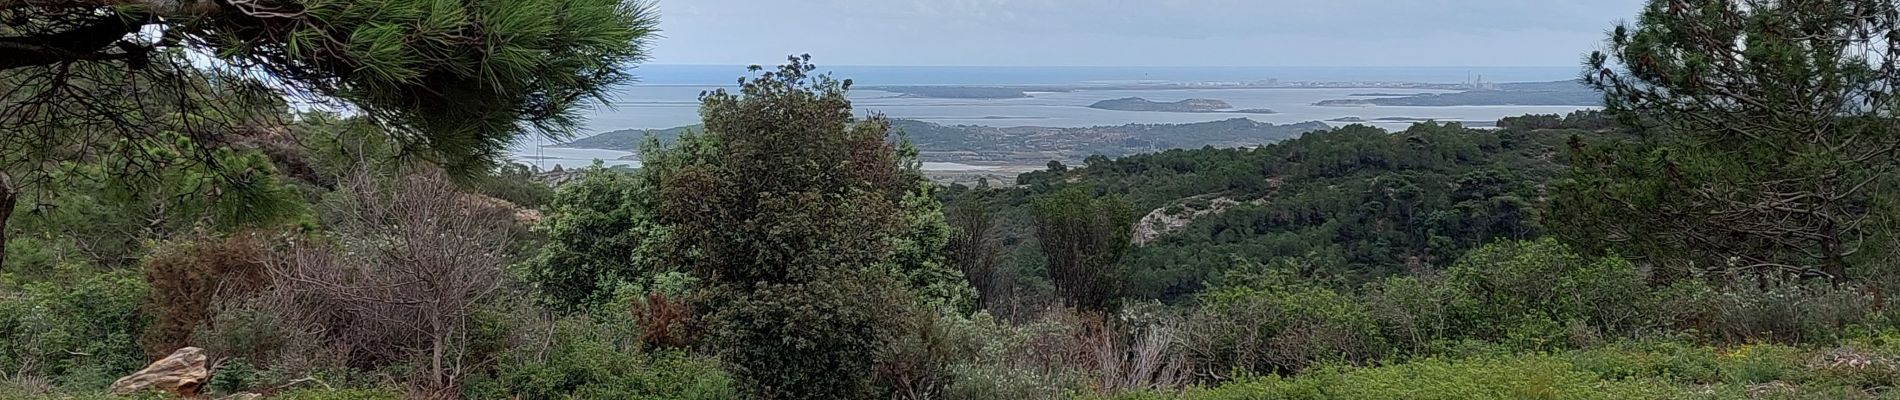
[1188,106]
[1363,120]
[627,139]
[1381,119]
[956,92]
[1560,93]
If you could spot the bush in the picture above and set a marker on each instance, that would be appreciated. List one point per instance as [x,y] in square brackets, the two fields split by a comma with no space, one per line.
[233,375]
[1513,378]
[257,336]
[986,381]
[397,281]
[1033,360]
[1765,310]
[915,362]
[1280,327]
[1412,312]
[1755,364]
[1533,292]
[11,391]
[1674,361]
[514,183]
[188,277]
[597,230]
[338,394]
[589,359]
[813,340]
[80,334]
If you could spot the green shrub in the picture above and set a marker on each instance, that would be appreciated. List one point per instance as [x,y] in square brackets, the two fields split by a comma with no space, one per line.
[1412,312]
[260,338]
[597,228]
[1514,378]
[818,339]
[81,334]
[988,381]
[915,362]
[233,375]
[1530,293]
[1001,360]
[14,391]
[1753,364]
[1765,310]
[1278,325]
[587,359]
[1672,361]
[338,394]
[514,183]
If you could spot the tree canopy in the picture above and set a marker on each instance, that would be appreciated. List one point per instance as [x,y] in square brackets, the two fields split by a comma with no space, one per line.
[1765,130]
[456,79]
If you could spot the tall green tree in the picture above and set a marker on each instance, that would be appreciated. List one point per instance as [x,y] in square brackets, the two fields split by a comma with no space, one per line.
[1765,128]
[173,84]
[460,77]
[804,225]
[599,231]
[922,258]
[977,250]
[1084,239]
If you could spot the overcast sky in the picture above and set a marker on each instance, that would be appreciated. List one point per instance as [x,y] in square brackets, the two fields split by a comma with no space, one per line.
[1139,32]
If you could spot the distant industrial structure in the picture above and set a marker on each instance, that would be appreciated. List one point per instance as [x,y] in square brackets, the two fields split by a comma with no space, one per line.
[1476,81]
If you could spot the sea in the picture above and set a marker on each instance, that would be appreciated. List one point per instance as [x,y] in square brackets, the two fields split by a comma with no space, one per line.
[667,96]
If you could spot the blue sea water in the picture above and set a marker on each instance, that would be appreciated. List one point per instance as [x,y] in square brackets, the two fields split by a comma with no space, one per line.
[667,96]
[960,75]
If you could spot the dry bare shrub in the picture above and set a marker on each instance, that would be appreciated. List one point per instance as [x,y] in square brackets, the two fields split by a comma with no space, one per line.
[915,362]
[1765,309]
[665,321]
[1063,350]
[401,277]
[188,277]
[1138,355]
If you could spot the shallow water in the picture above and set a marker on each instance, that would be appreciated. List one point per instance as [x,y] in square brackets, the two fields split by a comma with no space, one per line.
[671,100]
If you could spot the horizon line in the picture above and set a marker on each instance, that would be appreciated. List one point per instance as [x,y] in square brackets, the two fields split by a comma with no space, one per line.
[1119,66]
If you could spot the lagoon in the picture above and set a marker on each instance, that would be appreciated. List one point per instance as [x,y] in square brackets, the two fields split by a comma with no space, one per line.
[672,100]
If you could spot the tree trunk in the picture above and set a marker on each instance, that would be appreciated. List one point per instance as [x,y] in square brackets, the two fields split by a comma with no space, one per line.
[435,359]
[1835,266]
[9,197]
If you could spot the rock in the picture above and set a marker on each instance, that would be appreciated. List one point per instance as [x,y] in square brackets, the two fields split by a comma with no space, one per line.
[183,373]
[1178,216]
[485,203]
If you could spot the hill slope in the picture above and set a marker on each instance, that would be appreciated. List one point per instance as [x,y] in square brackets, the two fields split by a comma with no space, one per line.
[1349,204]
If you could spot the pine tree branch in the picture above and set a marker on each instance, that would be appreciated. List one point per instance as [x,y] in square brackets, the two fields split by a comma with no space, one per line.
[168,8]
[86,42]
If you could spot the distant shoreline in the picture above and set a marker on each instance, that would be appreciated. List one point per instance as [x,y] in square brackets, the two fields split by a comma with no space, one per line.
[998,92]
[1026,145]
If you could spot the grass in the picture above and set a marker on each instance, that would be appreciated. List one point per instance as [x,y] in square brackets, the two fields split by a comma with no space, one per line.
[1865,369]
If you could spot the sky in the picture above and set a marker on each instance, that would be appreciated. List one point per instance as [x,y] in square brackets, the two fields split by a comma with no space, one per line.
[1138,32]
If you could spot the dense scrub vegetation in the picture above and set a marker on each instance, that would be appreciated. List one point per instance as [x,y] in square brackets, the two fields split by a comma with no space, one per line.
[1350,204]
[1717,232]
